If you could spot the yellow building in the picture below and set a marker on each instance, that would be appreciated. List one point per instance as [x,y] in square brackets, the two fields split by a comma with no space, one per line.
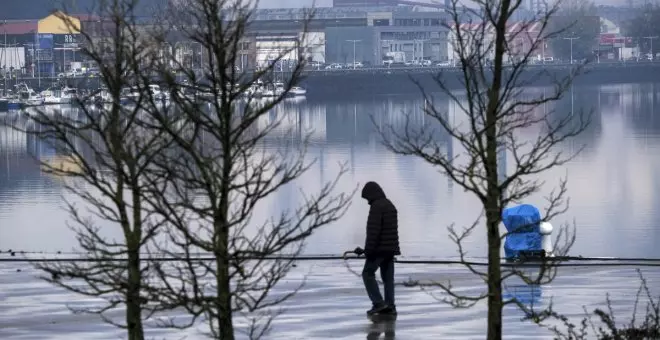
[51,44]
[59,23]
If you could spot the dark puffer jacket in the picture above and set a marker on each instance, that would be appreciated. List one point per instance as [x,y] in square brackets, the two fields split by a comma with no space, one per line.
[382,223]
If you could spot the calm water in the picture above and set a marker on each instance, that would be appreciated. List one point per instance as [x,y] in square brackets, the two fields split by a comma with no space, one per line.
[613,185]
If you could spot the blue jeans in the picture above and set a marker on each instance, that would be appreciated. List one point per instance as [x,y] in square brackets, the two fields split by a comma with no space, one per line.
[386,265]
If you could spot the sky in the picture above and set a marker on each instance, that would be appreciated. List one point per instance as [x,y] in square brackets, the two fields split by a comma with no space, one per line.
[294,3]
[32,9]
[328,3]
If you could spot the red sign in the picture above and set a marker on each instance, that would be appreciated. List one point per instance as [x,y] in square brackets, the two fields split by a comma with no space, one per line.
[612,38]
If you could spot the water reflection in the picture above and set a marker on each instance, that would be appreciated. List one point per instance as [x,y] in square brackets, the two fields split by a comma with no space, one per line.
[612,184]
[385,328]
[528,295]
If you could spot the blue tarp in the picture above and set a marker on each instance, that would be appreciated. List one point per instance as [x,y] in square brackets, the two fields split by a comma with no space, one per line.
[522,223]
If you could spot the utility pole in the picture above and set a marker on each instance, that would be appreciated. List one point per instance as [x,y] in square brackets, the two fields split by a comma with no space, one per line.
[651,39]
[4,66]
[571,39]
[354,42]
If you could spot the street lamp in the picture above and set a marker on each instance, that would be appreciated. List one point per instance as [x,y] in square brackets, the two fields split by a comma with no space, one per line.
[651,39]
[354,42]
[543,42]
[422,45]
[571,39]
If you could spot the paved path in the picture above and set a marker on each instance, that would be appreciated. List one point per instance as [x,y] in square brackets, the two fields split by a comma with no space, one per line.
[332,304]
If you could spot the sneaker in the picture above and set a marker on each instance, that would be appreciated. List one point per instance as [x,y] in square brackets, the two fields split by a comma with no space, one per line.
[390,310]
[378,309]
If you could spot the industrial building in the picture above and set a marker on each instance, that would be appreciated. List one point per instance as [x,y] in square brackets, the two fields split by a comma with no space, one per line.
[40,47]
[341,35]
[369,33]
[427,4]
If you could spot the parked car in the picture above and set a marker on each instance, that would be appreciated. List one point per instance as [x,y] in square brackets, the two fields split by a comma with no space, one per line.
[334,66]
[70,74]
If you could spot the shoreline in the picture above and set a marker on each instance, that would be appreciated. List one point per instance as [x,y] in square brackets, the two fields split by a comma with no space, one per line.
[350,83]
[400,81]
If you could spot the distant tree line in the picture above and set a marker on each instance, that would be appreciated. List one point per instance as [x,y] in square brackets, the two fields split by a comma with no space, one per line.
[644,29]
[578,22]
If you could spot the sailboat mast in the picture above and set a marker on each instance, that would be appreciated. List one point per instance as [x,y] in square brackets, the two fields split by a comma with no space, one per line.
[4,63]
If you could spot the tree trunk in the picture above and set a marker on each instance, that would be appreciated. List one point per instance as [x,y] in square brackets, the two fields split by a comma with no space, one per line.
[223,300]
[494,279]
[493,193]
[224,323]
[133,302]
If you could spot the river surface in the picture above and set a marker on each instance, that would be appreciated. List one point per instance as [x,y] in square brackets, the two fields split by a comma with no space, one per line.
[613,186]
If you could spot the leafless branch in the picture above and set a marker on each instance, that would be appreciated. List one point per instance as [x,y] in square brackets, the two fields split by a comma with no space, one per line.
[495,58]
[210,185]
[103,153]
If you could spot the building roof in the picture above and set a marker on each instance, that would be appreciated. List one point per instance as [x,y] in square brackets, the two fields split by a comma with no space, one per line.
[14,27]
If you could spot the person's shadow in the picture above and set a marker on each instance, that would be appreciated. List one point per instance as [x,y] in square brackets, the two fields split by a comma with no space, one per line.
[382,327]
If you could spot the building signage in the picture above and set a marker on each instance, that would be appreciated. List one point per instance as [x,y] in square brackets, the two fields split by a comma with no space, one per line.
[61,39]
[45,41]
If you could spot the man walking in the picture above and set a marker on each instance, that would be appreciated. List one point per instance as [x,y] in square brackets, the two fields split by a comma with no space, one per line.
[382,244]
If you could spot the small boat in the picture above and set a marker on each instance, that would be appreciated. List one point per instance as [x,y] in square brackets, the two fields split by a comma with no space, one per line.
[51,97]
[273,90]
[297,91]
[278,89]
[158,94]
[255,90]
[102,96]
[28,96]
[68,95]
[10,101]
[4,104]
[14,104]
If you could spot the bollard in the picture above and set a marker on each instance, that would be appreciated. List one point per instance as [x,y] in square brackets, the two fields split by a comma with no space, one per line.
[545,229]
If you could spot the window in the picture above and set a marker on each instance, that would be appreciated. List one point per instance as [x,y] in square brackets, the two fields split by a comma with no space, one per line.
[381,22]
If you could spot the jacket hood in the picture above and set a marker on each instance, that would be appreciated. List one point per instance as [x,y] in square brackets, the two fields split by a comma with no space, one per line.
[372,191]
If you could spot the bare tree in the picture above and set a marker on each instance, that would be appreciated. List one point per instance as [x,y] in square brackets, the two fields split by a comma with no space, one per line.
[220,171]
[104,151]
[605,326]
[494,58]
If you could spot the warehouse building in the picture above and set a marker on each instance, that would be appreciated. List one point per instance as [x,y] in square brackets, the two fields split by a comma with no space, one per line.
[40,47]
[340,35]
[335,35]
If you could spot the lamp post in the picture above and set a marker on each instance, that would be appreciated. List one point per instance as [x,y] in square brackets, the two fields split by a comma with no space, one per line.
[354,42]
[571,39]
[651,39]
[543,51]
[422,41]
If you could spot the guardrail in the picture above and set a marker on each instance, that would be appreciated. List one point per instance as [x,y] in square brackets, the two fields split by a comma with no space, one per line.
[556,261]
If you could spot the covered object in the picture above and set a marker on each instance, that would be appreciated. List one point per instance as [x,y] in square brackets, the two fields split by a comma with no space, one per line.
[522,224]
